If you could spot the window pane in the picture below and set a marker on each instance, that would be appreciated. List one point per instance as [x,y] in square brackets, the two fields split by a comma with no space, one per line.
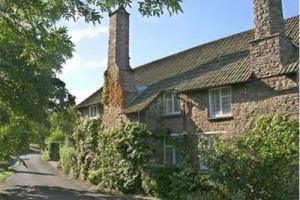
[168,106]
[215,102]
[90,111]
[176,104]
[169,155]
[93,111]
[226,91]
[168,96]
[226,105]
[97,111]
[171,103]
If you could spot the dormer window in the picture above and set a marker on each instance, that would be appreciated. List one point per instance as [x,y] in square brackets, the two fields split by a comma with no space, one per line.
[171,103]
[94,112]
[220,102]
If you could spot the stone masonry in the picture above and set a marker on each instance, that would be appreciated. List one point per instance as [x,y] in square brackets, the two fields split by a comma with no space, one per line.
[267,93]
[120,85]
[269,96]
[271,49]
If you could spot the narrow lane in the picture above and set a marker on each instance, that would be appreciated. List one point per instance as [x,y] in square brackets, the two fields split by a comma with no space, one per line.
[40,181]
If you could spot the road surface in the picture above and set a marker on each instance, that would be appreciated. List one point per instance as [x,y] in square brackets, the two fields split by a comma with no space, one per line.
[40,181]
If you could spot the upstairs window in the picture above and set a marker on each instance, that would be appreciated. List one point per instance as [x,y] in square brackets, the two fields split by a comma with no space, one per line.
[171,103]
[94,111]
[220,102]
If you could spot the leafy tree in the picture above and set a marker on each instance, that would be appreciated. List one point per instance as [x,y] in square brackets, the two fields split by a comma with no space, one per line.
[64,121]
[262,164]
[32,51]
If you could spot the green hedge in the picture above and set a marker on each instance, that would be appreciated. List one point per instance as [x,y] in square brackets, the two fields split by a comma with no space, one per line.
[54,151]
[156,179]
[122,152]
[67,158]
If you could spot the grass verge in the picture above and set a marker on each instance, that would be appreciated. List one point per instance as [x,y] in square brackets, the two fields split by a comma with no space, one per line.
[45,156]
[35,146]
[5,172]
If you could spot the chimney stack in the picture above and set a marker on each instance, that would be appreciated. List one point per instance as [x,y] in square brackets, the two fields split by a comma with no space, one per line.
[120,81]
[270,50]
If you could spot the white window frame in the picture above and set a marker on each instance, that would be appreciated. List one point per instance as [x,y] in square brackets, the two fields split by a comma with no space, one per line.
[222,114]
[172,101]
[94,111]
[174,157]
[209,136]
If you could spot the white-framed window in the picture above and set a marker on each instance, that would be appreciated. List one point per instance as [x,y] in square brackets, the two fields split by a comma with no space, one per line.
[206,139]
[171,103]
[171,154]
[94,112]
[220,102]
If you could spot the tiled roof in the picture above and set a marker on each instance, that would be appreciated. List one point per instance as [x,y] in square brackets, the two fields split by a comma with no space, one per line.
[91,100]
[221,62]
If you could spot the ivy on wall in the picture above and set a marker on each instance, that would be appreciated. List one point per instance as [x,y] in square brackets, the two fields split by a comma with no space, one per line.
[105,94]
[247,166]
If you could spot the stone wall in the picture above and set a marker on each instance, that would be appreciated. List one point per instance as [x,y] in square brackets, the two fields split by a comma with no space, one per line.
[154,117]
[270,50]
[269,55]
[268,18]
[113,116]
[269,96]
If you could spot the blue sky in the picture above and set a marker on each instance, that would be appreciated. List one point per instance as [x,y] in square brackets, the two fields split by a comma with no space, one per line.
[155,37]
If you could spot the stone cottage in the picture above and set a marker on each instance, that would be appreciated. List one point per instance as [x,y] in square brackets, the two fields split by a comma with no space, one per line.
[221,86]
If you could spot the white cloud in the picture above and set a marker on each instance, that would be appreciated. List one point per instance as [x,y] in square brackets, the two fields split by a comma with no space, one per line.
[82,94]
[89,32]
[77,62]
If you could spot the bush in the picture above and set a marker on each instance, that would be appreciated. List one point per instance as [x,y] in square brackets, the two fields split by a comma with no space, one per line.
[262,164]
[156,179]
[95,177]
[54,151]
[123,151]
[189,180]
[86,135]
[67,158]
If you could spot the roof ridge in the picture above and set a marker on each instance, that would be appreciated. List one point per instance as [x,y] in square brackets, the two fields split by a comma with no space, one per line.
[82,102]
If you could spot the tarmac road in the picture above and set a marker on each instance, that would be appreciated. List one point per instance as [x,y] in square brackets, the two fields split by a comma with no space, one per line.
[40,181]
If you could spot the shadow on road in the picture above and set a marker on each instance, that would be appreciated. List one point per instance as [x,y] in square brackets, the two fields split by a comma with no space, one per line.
[34,173]
[50,193]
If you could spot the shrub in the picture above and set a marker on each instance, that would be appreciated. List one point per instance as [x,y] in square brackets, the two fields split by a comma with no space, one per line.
[54,151]
[188,180]
[262,164]
[86,136]
[95,177]
[123,151]
[156,179]
[67,158]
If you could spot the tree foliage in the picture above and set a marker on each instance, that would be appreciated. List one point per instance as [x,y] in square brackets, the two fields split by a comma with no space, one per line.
[64,121]
[33,49]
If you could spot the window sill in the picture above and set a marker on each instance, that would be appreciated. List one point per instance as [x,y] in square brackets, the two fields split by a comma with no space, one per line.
[171,115]
[220,118]
[94,117]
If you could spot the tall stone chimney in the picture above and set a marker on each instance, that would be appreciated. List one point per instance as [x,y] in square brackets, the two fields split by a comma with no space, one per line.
[120,77]
[271,49]
[119,89]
